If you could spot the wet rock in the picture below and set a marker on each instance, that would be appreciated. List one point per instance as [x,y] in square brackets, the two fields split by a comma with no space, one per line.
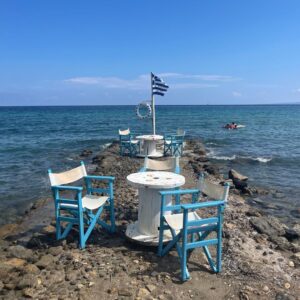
[233,174]
[86,152]
[291,234]
[45,261]
[240,184]
[20,252]
[296,213]
[211,169]
[268,225]
[7,229]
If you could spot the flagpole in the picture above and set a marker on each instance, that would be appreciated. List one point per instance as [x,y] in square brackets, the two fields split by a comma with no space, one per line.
[153,106]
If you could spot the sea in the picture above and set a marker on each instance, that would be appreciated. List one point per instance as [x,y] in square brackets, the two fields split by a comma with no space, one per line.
[34,139]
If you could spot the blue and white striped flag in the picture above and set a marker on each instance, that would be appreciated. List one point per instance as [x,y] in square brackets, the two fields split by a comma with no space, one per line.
[158,85]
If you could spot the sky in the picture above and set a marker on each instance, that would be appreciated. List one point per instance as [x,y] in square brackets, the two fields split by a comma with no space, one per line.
[101,52]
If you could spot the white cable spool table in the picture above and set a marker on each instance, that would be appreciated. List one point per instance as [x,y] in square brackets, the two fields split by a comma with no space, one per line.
[149,184]
[149,145]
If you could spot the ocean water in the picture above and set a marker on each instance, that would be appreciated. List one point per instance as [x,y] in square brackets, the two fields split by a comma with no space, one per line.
[34,139]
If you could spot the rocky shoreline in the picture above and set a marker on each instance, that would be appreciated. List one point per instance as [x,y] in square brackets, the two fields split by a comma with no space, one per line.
[261,256]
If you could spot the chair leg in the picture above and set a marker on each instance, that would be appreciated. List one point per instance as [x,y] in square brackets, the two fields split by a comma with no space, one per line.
[112,216]
[81,231]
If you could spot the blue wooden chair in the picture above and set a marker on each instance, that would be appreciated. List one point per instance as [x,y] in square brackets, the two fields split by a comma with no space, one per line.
[80,210]
[173,144]
[187,227]
[170,164]
[128,145]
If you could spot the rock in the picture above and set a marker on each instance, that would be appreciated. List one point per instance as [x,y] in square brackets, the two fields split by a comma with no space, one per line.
[150,287]
[296,259]
[55,251]
[287,285]
[240,184]
[291,264]
[49,229]
[233,174]
[31,269]
[243,295]
[29,292]
[295,213]
[283,296]
[1,286]
[7,229]
[15,262]
[142,293]
[27,281]
[211,169]
[45,261]
[85,153]
[20,252]
[268,225]
[291,234]
[124,292]
[266,289]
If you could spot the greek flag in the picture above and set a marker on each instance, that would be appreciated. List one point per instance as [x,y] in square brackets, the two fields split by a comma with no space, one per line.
[158,86]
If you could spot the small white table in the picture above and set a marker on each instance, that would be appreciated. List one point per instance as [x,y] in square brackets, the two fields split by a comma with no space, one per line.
[149,148]
[149,184]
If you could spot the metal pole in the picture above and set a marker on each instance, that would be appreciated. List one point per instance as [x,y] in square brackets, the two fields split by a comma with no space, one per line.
[153,106]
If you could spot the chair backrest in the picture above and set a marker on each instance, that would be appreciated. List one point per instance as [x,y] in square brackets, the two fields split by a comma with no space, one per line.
[180,131]
[124,132]
[67,176]
[169,164]
[212,190]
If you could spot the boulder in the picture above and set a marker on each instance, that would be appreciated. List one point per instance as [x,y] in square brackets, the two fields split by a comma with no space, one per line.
[20,252]
[240,184]
[85,153]
[268,225]
[234,175]
[45,261]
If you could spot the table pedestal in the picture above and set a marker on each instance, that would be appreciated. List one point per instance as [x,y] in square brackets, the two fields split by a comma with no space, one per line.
[145,230]
[149,149]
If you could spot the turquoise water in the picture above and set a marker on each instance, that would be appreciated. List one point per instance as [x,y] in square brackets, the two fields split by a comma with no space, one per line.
[34,139]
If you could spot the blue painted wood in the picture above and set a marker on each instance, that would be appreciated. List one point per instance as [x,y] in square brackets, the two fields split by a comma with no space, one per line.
[173,144]
[199,229]
[127,147]
[84,218]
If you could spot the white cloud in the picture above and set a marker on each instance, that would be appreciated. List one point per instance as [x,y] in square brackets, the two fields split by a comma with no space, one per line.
[236,94]
[204,77]
[176,80]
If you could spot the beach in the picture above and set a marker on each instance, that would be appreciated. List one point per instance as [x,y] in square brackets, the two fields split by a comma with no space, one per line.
[261,255]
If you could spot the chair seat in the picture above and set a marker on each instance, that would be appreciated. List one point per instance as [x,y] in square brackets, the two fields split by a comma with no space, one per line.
[89,202]
[168,142]
[132,142]
[175,221]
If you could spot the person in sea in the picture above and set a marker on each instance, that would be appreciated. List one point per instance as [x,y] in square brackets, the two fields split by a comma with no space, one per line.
[233,125]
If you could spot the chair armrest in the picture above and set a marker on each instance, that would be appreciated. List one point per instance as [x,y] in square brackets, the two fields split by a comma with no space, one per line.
[202,205]
[179,192]
[95,177]
[67,188]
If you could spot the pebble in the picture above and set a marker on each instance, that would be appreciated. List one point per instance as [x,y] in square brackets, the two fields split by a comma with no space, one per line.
[291,264]
[266,288]
[287,285]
